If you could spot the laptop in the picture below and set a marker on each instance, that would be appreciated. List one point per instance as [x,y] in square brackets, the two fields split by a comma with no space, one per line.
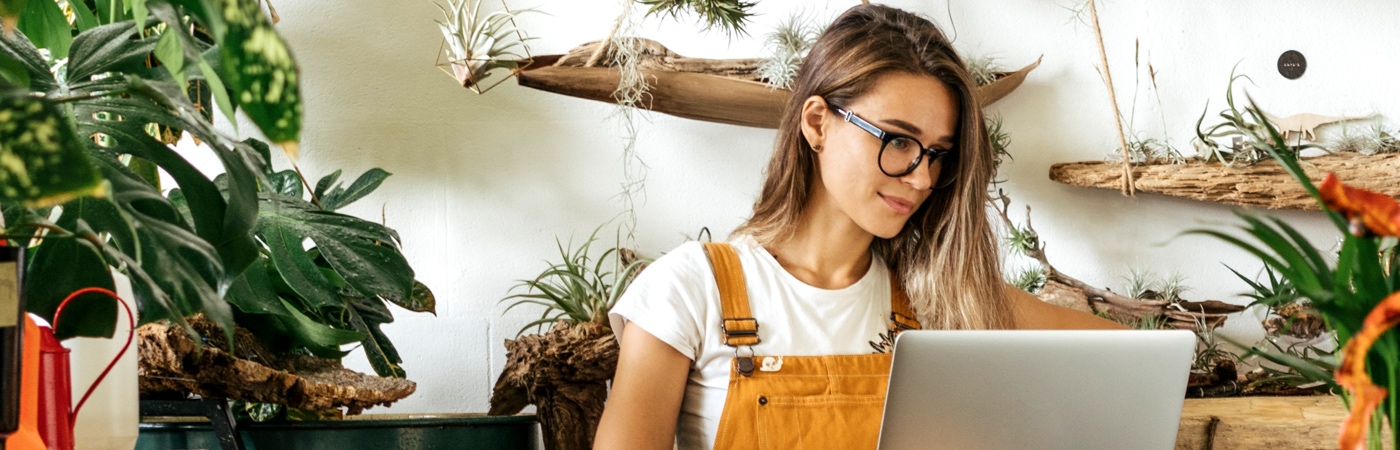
[1081,390]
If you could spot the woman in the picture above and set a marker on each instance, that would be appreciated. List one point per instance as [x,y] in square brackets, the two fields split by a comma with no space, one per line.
[873,207]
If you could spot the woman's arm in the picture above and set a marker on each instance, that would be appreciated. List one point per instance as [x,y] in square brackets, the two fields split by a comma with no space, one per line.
[645,401]
[1034,314]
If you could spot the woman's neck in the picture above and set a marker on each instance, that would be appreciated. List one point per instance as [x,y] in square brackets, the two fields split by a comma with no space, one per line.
[827,250]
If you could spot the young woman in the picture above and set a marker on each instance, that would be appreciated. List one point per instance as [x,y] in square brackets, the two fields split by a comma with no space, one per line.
[871,221]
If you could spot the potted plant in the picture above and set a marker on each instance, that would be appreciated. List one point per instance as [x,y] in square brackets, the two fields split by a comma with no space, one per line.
[565,371]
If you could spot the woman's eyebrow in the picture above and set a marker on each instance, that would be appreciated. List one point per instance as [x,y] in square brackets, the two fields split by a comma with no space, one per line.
[913,130]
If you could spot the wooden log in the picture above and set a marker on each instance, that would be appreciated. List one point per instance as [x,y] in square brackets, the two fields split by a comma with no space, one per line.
[1262,185]
[728,91]
[1275,423]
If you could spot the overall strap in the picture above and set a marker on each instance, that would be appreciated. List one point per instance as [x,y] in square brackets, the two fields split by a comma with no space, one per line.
[901,312]
[739,326]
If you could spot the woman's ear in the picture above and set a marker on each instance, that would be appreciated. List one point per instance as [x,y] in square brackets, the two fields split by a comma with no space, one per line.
[814,113]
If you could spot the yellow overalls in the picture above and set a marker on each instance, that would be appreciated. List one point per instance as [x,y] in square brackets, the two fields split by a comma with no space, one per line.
[796,402]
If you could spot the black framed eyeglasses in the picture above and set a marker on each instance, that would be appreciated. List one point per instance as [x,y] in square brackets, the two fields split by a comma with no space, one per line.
[900,154]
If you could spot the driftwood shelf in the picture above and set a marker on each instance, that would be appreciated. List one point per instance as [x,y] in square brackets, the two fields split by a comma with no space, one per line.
[1263,185]
[1275,423]
[728,91]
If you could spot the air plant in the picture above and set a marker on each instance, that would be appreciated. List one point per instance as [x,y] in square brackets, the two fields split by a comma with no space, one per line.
[1374,141]
[477,44]
[579,288]
[1246,147]
[790,42]
[1001,141]
[984,69]
[728,15]
[1030,279]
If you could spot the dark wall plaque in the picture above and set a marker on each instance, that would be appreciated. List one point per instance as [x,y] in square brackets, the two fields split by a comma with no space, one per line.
[1291,64]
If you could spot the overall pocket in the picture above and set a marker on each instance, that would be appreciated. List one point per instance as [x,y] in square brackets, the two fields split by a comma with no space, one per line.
[819,422]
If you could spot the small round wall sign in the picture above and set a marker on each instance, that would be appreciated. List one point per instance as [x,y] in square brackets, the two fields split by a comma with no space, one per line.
[1292,64]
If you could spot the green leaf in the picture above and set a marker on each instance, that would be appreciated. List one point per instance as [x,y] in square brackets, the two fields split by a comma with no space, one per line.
[284,242]
[12,72]
[380,352]
[138,10]
[44,23]
[258,66]
[24,66]
[364,185]
[216,86]
[285,183]
[364,253]
[44,161]
[171,54]
[317,334]
[111,11]
[64,265]
[422,299]
[109,48]
[83,16]
[324,185]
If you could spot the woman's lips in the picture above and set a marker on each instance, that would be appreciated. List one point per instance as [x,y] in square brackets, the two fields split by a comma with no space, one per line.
[900,206]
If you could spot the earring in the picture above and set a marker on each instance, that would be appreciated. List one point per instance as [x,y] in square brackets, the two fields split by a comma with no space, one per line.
[817,148]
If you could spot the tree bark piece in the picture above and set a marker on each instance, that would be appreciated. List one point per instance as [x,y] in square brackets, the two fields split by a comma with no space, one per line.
[1262,185]
[728,91]
[1275,423]
[172,363]
[564,373]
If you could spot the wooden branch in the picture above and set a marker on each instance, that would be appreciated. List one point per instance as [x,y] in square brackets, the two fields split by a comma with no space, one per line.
[1264,185]
[1127,186]
[1064,290]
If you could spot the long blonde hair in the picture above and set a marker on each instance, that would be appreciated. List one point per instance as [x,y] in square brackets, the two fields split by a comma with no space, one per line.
[946,255]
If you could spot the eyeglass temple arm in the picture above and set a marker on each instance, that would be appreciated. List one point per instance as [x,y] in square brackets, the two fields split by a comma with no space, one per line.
[857,121]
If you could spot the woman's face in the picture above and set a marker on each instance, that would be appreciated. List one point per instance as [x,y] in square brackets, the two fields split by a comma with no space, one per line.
[917,106]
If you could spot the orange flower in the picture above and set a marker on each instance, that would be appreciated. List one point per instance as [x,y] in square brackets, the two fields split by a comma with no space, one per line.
[1366,396]
[1379,213]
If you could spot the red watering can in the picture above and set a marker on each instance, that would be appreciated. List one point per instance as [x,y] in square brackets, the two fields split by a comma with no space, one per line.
[55,381]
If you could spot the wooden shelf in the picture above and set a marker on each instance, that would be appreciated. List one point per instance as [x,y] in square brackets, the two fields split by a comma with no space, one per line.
[1263,185]
[1275,423]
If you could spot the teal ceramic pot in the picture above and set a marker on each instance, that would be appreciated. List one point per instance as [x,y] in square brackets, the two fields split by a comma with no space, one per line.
[407,432]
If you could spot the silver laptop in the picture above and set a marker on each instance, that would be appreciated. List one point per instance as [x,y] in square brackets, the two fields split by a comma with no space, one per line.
[1081,390]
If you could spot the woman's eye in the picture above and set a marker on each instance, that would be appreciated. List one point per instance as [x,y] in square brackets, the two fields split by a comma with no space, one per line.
[902,143]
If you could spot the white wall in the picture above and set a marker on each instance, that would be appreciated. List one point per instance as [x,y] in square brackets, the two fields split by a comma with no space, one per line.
[482,185]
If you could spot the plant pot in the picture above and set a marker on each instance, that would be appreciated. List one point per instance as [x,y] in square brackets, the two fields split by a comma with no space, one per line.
[374,431]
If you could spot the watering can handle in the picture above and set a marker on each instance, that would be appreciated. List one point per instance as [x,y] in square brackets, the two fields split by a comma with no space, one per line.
[130,335]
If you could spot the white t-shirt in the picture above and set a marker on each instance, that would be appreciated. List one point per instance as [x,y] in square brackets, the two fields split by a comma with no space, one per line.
[676,300]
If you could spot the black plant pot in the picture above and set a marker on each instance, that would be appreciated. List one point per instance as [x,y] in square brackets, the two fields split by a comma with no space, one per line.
[408,432]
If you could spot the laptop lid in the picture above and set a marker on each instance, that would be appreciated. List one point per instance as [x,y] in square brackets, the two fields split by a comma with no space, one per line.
[1077,390]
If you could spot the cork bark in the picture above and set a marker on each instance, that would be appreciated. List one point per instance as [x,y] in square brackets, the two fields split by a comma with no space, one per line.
[171,364]
[564,373]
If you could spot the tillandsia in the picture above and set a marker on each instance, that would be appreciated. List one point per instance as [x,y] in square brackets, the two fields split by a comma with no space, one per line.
[729,15]
[478,43]
[1248,143]
[1358,296]
[579,288]
[984,69]
[789,42]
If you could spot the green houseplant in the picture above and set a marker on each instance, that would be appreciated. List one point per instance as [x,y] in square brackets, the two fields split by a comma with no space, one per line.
[113,86]
[564,372]
[1356,295]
